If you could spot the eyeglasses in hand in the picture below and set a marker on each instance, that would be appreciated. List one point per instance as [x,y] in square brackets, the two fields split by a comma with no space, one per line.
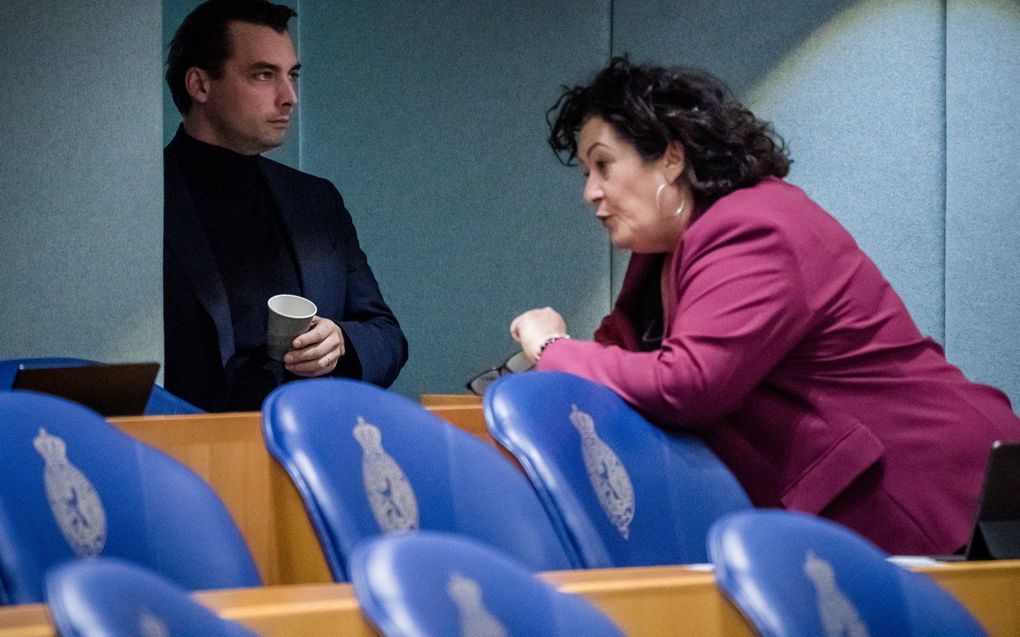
[517,363]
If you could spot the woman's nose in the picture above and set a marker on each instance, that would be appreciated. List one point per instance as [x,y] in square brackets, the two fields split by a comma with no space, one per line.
[592,190]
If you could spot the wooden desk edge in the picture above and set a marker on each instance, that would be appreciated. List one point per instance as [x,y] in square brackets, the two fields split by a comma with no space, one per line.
[436,400]
[639,599]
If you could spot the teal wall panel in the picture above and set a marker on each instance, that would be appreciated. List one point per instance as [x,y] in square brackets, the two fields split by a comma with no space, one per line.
[429,117]
[81,177]
[983,191]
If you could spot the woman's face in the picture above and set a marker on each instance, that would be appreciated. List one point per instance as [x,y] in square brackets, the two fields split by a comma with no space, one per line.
[622,187]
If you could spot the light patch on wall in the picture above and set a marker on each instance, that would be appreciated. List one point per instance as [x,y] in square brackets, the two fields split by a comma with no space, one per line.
[840,34]
[861,104]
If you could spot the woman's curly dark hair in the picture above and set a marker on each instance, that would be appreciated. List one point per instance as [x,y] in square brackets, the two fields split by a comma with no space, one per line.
[726,146]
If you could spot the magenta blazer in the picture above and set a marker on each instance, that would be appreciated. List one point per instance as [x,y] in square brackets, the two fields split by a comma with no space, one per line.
[787,350]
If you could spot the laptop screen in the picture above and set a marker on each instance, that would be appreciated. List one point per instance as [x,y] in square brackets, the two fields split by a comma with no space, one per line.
[997,525]
[118,389]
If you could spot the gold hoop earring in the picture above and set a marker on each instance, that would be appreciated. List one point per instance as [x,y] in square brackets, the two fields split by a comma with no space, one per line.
[658,204]
[658,192]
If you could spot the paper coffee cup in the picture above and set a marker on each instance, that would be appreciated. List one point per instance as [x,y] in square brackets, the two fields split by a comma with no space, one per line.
[289,317]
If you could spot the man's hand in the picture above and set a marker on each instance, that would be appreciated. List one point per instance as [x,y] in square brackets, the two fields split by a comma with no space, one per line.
[535,327]
[317,351]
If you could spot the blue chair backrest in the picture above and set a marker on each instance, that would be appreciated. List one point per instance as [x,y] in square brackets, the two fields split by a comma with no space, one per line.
[793,574]
[933,611]
[105,596]
[75,486]
[161,402]
[442,584]
[367,461]
[627,492]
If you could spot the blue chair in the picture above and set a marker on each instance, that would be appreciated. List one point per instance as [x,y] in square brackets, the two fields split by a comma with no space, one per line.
[74,486]
[425,583]
[367,461]
[161,402]
[627,492]
[105,596]
[794,574]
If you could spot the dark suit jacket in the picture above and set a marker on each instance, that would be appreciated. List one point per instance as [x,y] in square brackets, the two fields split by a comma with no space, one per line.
[334,272]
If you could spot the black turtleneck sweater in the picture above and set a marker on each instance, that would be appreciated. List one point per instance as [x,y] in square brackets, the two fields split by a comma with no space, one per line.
[253,254]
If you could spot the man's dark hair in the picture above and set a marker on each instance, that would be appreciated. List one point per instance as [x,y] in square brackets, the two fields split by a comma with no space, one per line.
[725,146]
[203,40]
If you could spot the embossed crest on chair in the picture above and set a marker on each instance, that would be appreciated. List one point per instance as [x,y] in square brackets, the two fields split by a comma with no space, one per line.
[367,462]
[795,574]
[432,583]
[621,490]
[105,597]
[77,487]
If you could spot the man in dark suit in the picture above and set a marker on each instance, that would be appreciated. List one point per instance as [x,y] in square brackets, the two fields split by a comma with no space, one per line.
[240,228]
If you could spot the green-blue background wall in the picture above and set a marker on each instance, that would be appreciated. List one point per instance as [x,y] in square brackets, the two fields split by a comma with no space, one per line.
[430,119]
[81,179]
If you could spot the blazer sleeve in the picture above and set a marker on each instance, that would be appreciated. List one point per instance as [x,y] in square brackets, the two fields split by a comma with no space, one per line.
[741,309]
[376,348]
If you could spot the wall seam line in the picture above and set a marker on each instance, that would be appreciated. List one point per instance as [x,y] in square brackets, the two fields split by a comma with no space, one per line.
[945,173]
[300,128]
[609,244]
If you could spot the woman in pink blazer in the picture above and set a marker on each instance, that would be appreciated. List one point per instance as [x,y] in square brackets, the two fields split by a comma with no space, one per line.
[749,314]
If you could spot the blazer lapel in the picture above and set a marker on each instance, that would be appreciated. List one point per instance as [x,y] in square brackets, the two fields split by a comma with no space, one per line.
[311,234]
[185,237]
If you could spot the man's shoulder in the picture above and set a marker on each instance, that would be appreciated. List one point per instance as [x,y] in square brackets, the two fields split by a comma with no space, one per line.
[171,150]
[271,168]
[278,170]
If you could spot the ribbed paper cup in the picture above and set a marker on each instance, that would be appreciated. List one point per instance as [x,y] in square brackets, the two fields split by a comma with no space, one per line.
[289,317]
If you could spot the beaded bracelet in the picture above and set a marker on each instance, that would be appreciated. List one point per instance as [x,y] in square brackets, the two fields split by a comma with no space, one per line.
[548,342]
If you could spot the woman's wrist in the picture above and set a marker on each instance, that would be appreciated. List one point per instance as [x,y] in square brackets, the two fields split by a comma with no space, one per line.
[547,342]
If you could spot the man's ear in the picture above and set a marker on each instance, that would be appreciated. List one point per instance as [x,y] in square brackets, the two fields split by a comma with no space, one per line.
[674,162]
[196,81]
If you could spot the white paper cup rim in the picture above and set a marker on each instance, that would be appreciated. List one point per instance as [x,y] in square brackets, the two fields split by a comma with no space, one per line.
[292,306]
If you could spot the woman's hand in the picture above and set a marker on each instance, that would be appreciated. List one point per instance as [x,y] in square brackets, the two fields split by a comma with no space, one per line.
[317,351]
[535,327]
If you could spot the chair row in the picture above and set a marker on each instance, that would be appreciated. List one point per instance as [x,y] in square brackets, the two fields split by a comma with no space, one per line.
[607,488]
[366,462]
[788,573]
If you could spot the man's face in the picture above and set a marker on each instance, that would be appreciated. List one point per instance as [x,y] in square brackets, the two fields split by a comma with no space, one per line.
[249,107]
